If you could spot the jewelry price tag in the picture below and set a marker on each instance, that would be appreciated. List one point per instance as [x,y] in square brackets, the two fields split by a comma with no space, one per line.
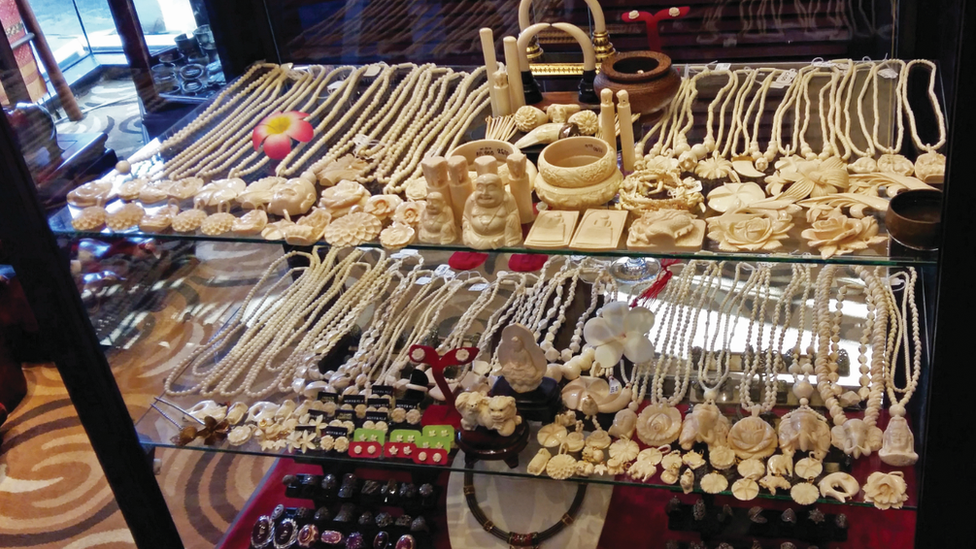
[888,73]
[444,271]
[784,80]
[723,66]
[479,287]
[424,280]
[403,254]
[614,385]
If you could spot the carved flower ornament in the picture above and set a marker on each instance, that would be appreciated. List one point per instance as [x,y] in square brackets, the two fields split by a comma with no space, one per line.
[620,331]
[811,178]
[760,231]
[839,234]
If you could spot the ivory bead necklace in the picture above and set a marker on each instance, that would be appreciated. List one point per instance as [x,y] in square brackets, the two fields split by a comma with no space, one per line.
[344,143]
[933,100]
[246,314]
[383,351]
[351,306]
[220,104]
[672,345]
[407,115]
[913,354]
[245,167]
[663,311]
[235,135]
[751,357]
[229,131]
[707,357]
[394,150]
[896,146]
[367,101]
[708,144]
[459,109]
[329,110]
[239,362]
[419,79]
[737,109]
[376,335]
[304,89]
[790,98]
[662,126]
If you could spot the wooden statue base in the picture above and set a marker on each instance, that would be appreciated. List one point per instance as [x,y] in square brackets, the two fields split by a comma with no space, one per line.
[542,404]
[482,444]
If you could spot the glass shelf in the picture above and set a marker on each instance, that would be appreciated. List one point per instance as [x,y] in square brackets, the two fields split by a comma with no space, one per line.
[795,249]
[888,253]
[229,287]
[160,431]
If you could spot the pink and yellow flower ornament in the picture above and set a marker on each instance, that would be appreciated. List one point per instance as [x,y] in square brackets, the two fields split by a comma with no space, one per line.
[277,130]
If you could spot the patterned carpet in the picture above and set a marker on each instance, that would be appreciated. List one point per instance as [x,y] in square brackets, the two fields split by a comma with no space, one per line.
[119,118]
[52,491]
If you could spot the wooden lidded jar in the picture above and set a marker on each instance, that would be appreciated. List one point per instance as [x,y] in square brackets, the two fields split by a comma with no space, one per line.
[648,77]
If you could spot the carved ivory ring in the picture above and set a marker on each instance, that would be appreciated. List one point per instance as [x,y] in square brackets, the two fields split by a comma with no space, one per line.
[577,162]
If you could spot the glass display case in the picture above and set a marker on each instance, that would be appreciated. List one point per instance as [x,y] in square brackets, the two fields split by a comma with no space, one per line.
[436,252]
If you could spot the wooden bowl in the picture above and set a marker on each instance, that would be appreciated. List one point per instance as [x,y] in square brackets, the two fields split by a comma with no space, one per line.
[914,219]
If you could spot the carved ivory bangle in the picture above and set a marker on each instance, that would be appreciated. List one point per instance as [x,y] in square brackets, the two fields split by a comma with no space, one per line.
[577,162]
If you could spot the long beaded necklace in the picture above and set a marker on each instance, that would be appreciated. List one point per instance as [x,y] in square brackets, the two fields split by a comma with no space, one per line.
[752,436]
[930,154]
[239,361]
[898,446]
[852,435]
[303,89]
[802,428]
[245,114]
[246,167]
[247,319]
[660,422]
[224,100]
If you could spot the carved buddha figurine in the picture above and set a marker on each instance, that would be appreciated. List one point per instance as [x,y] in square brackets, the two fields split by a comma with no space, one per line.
[437,221]
[523,364]
[491,217]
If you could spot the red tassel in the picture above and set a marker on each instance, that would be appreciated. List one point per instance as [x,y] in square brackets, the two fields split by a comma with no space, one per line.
[661,282]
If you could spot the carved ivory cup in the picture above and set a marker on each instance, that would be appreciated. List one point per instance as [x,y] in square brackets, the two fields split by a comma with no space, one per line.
[498,149]
[577,173]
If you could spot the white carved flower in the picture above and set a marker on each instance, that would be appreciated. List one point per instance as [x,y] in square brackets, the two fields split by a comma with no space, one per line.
[620,331]
[410,212]
[716,168]
[382,205]
[811,178]
[839,234]
[886,490]
[752,233]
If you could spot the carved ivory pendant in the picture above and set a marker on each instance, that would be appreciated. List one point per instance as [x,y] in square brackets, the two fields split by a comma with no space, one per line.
[658,424]
[552,229]
[705,423]
[752,437]
[666,230]
[600,230]
[898,447]
[804,430]
[523,364]
[856,438]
